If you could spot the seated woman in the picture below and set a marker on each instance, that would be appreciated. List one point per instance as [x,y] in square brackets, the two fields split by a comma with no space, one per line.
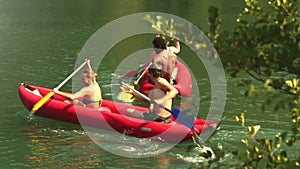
[90,92]
[162,93]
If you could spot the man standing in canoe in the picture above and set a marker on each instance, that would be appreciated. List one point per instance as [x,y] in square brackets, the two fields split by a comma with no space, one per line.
[162,93]
[165,56]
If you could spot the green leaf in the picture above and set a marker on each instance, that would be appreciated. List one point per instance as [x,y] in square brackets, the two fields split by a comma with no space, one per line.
[291,141]
[245,142]
[253,130]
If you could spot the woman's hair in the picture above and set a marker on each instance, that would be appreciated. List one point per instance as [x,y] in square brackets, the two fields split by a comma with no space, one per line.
[91,75]
[156,72]
[159,42]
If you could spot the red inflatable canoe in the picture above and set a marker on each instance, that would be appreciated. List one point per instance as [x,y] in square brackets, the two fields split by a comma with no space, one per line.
[109,117]
[183,80]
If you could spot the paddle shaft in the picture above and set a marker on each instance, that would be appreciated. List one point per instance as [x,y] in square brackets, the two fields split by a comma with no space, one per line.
[70,76]
[128,97]
[145,70]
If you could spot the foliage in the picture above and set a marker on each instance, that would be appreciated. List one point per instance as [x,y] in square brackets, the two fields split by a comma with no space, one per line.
[265,43]
[162,25]
[265,152]
[187,33]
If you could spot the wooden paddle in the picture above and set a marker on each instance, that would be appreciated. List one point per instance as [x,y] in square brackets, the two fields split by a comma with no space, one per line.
[126,97]
[181,117]
[41,102]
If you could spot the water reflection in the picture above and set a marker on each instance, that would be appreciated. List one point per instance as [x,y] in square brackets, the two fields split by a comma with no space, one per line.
[163,162]
[57,147]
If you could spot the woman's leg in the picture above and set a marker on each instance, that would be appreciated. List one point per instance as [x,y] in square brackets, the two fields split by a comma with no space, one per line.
[134,113]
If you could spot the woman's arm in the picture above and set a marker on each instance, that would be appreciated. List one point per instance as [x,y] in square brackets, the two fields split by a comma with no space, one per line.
[89,68]
[128,90]
[66,95]
[172,92]
[82,92]
[88,65]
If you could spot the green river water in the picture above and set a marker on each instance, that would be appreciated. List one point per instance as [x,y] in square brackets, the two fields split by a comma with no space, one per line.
[39,44]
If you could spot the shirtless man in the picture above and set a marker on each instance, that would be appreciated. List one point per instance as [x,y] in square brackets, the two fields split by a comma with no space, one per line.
[162,93]
[162,56]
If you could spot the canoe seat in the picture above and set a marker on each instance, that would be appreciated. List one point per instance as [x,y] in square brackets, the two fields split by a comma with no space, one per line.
[35,92]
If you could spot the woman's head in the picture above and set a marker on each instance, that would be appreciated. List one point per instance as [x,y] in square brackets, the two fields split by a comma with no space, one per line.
[156,70]
[88,77]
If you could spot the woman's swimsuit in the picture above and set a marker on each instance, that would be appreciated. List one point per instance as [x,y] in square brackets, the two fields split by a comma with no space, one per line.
[86,101]
[150,116]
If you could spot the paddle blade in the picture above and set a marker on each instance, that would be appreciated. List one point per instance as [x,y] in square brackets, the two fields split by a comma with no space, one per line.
[185,119]
[126,97]
[40,103]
